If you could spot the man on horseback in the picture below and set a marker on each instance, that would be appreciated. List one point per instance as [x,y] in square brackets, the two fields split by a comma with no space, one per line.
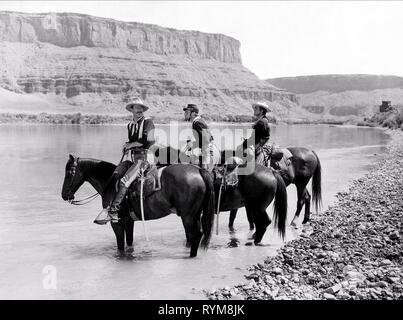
[141,138]
[259,144]
[204,139]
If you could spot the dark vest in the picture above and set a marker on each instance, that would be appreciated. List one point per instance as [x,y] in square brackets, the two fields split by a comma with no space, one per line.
[138,131]
[261,132]
[201,131]
[262,129]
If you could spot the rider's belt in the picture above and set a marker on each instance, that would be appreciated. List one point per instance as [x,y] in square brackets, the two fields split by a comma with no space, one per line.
[263,141]
[139,151]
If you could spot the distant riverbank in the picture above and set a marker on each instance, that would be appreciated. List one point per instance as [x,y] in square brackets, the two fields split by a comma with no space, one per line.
[392,119]
[353,250]
[89,119]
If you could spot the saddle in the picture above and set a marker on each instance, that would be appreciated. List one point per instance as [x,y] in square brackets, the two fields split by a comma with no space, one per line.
[152,179]
[152,182]
[227,175]
[280,159]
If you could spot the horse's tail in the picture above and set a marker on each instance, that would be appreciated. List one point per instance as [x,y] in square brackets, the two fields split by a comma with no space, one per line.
[207,219]
[280,205]
[317,185]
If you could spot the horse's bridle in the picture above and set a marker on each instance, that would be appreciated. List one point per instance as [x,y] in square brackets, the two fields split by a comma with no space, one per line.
[82,201]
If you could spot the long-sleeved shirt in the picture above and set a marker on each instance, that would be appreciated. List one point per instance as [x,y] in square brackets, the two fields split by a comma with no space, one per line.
[261,130]
[142,131]
[201,132]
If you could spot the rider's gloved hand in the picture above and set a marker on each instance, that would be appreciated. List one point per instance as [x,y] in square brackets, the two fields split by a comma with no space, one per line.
[125,147]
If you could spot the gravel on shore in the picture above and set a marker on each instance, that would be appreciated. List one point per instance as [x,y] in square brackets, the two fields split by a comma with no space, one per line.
[354,250]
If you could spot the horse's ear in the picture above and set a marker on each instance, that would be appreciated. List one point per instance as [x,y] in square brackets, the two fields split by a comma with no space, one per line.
[71,157]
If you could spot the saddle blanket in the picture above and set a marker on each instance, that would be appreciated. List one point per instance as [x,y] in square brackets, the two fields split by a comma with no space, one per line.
[152,182]
[284,161]
[228,174]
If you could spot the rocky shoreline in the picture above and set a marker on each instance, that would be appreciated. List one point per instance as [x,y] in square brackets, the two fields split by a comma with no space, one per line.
[352,251]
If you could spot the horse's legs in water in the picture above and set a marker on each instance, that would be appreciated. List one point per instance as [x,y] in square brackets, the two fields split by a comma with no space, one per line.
[301,187]
[262,221]
[307,198]
[193,232]
[232,217]
[119,230]
[129,229]
[249,215]
[188,244]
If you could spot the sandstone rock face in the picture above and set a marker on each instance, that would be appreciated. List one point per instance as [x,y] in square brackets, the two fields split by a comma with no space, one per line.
[72,30]
[97,63]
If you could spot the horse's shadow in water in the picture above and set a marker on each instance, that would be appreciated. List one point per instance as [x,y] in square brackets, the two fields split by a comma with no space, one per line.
[85,251]
[131,255]
[144,251]
[233,242]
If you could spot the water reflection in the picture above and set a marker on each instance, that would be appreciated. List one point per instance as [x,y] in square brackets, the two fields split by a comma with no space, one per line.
[233,242]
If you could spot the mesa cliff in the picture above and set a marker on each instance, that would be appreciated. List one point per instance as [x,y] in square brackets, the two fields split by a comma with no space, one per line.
[92,65]
[72,30]
[343,96]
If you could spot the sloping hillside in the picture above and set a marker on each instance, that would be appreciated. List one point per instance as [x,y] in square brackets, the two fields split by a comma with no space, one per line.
[343,95]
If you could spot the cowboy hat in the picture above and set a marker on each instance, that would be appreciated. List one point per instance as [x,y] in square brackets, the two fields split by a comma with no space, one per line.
[262,105]
[136,102]
[192,107]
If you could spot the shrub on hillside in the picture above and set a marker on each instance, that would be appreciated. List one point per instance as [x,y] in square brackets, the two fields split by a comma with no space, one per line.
[389,123]
[399,117]
[76,118]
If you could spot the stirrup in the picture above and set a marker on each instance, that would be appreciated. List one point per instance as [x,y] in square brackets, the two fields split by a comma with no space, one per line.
[113,217]
[105,216]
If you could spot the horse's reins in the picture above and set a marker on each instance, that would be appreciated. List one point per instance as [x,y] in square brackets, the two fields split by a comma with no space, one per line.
[81,201]
[91,197]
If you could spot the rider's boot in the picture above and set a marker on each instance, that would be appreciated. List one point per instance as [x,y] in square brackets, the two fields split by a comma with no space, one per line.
[116,203]
[111,213]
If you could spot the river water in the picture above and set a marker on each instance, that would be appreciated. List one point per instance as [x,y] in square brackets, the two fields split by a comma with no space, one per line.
[53,250]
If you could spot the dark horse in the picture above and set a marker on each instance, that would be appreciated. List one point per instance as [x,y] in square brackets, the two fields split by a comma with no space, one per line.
[255,191]
[186,188]
[304,165]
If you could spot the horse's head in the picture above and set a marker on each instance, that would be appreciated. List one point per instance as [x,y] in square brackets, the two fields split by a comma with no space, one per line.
[73,178]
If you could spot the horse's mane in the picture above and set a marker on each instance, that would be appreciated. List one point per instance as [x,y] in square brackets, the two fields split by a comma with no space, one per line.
[100,166]
[172,154]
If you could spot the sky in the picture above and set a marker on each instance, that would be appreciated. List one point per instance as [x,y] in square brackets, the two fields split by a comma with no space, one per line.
[278,39]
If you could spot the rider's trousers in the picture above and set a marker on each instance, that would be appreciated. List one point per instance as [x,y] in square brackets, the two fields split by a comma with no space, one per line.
[210,156]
